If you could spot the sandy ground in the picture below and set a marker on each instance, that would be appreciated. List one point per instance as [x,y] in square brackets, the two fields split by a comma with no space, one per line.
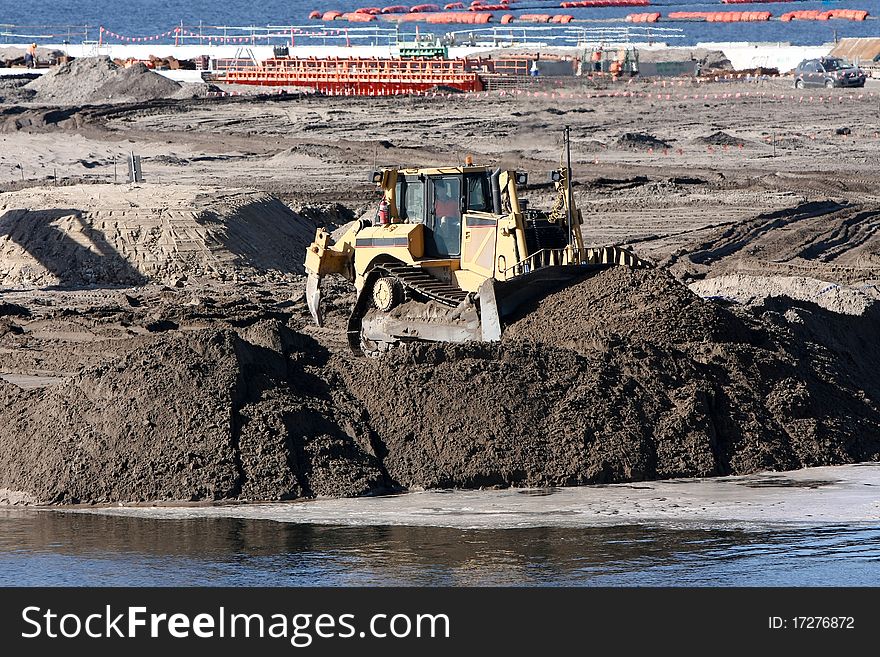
[812,496]
[748,192]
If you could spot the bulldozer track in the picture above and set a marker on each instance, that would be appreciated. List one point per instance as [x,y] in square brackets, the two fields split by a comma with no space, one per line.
[418,282]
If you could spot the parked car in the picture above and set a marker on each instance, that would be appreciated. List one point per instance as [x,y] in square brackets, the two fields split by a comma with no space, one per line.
[828,72]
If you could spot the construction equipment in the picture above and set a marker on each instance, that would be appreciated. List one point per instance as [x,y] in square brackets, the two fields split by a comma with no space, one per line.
[451,253]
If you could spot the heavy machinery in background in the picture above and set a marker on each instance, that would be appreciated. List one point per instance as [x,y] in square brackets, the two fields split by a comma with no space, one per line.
[453,252]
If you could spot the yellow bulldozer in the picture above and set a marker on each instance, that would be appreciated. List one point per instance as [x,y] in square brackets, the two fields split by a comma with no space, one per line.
[451,253]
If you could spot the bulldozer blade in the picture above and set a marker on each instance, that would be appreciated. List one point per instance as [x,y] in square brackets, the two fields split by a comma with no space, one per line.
[313,298]
[510,295]
[490,319]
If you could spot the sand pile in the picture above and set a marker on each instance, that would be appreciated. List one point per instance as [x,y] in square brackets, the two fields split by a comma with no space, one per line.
[720,138]
[198,415]
[625,376]
[119,234]
[639,141]
[99,80]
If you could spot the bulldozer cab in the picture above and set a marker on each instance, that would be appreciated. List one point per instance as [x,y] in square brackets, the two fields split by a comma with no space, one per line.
[440,201]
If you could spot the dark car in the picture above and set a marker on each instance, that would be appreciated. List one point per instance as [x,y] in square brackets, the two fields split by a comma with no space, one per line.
[828,72]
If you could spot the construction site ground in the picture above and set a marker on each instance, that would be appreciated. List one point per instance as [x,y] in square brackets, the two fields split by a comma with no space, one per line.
[155,343]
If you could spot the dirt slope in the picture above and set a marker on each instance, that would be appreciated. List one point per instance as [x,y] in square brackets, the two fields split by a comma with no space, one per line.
[99,80]
[122,234]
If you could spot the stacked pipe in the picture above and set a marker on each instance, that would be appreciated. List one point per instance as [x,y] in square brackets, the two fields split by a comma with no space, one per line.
[651,17]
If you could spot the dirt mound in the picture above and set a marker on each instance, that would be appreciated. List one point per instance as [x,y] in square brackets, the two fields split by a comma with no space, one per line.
[199,415]
[720,138]
[639,141]
[624,376]
[756,290]
[99,80]
[119,234]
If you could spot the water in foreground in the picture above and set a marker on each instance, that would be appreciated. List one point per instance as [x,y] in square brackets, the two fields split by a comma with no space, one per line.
[817,527]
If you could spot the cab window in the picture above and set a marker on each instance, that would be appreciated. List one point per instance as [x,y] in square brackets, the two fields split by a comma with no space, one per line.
[446,215]
[479,196]
[414,201]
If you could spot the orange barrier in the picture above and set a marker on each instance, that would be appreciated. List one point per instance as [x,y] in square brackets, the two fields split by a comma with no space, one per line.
[562,18]
[315,14]
[454,5]
[331,15]
[421,9]
[750,2]
[652,17]
[482,7]
[358,77]
[507,18]
[368,10]
[534,18]
[395,9]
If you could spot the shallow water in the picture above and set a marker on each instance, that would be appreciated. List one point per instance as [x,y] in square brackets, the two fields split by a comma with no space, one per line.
[148,18]
[53,549]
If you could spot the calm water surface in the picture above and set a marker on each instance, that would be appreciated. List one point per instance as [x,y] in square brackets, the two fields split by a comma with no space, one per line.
[53,548]
[135,18]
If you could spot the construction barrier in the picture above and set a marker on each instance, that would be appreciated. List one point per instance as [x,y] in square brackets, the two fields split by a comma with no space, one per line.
[422,9]
[395,9]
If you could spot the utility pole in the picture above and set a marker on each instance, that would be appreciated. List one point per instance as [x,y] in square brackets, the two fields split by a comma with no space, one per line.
[568,196]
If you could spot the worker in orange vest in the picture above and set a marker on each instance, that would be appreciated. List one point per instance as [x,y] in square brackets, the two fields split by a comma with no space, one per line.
[597,60]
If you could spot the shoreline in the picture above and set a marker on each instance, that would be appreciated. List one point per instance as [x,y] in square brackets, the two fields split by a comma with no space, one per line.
[742,55]
[805,497]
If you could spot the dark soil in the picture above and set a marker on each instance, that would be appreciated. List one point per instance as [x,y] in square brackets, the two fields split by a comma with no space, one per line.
[640,141]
